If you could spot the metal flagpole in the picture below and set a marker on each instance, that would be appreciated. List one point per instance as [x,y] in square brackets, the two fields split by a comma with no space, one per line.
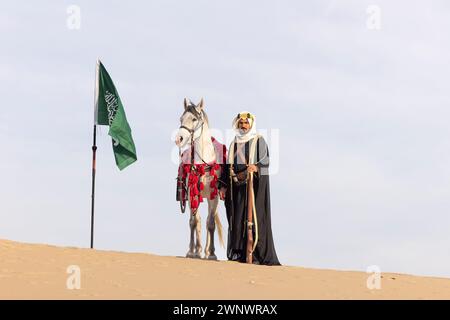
[94,151]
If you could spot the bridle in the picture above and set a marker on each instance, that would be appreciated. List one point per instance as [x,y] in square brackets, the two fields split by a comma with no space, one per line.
[199,115]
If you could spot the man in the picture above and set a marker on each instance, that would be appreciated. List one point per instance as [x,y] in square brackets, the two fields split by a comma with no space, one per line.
[248,153]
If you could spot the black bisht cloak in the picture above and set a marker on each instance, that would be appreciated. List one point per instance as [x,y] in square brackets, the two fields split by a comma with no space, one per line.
[236,207]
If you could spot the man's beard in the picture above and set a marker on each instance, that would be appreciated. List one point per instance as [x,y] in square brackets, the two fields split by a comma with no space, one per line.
[243,131]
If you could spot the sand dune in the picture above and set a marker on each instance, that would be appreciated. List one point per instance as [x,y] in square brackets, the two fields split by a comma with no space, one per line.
[30,271]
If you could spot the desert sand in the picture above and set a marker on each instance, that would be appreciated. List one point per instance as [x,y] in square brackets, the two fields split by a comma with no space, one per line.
[34,271]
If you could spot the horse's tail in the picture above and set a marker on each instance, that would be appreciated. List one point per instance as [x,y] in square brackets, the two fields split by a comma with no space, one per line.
[219,228]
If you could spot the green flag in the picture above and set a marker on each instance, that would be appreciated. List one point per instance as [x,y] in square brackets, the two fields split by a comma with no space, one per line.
[109,111]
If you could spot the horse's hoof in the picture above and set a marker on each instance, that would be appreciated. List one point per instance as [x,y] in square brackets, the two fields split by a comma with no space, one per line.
[190,255]
[211,257]
[197,256]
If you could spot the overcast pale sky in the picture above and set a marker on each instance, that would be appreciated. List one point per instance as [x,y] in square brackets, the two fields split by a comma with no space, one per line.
[362,115]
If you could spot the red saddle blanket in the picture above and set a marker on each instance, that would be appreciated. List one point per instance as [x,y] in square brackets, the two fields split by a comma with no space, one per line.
[192,173]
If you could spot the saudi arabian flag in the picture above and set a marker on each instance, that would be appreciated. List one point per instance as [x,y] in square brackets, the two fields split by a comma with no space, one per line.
[109,111]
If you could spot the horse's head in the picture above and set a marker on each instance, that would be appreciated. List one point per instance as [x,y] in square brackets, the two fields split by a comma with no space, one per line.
[192,121]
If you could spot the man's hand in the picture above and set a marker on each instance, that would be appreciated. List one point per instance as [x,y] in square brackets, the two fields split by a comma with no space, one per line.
[222,193]
[252,168]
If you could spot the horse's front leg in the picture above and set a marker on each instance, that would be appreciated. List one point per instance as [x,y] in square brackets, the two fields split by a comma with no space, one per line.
[198,235]
[193,227]
[211,226]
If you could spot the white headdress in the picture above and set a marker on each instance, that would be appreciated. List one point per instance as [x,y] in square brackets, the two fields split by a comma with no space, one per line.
[250,134]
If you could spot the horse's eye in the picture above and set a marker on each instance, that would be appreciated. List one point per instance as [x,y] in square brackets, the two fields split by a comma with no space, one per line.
[195,119]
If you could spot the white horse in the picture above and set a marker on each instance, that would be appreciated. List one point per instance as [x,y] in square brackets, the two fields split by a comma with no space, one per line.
[195,128]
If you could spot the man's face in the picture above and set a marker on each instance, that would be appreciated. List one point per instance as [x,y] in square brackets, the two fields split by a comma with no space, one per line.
[243,125]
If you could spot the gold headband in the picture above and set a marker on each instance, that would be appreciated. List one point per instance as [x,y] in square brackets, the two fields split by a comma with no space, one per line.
[247,115]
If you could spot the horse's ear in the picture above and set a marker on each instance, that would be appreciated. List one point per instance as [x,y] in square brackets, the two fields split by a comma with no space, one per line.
[200,104]
[186,103]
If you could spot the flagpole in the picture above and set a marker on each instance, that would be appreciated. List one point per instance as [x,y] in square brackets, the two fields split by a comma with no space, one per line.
[94,151]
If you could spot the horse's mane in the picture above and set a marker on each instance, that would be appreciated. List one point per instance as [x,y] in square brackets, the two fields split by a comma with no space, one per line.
[205,117]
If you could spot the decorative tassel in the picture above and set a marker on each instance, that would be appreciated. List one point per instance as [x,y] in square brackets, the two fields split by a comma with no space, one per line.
[195,187]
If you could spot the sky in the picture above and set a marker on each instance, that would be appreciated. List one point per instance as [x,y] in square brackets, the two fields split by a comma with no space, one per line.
[358,101]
